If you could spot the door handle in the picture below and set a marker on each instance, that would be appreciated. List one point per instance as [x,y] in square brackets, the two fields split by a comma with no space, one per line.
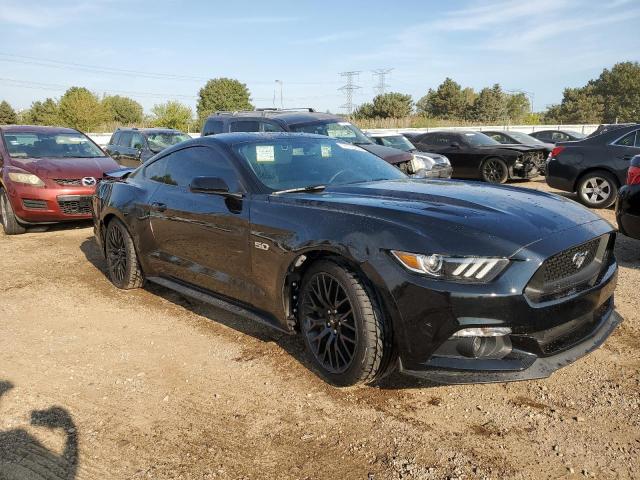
[158,207]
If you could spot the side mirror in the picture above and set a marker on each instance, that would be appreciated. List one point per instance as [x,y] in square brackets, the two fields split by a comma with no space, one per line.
[455,145]
[212,185]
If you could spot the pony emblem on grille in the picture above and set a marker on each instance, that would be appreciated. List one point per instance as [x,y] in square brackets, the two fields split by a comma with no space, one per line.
[579,258]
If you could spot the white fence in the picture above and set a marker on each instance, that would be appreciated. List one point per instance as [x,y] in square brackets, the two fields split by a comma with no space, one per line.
[103,138]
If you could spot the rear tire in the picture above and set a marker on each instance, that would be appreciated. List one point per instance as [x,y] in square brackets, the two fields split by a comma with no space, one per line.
[10,223]
[598,189]
[343,329]
[123,268]
[494,170]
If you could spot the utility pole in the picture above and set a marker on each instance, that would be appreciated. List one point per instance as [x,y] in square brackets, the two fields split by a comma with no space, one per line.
[348,89]
[381,85]
[278,82]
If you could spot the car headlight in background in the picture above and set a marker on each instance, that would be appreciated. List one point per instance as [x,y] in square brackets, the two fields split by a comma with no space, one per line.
[421,162]
[458,269]
[26,178]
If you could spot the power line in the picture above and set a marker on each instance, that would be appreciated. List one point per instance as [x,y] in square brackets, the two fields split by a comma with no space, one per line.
[348,89]
[381,74]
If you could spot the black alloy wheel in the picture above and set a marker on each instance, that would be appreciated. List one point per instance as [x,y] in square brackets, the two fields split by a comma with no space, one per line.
[494,170]
[329,323]
[343,329]
[123,268]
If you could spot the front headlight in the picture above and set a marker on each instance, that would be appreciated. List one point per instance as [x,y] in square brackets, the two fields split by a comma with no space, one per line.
[26,178]
[457,269]
[421,162]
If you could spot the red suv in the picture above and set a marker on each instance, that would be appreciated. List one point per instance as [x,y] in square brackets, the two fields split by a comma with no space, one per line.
[48,175]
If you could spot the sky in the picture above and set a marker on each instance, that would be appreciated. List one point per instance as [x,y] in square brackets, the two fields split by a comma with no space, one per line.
[155,50]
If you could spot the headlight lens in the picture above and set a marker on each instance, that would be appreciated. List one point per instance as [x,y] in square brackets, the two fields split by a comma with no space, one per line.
[458,269]
[419,162]
[26,178]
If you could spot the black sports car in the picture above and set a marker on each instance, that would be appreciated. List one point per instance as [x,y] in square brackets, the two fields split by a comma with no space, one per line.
[475,155]
[454,281]
[509,137]
[628,205]
[595,167]
[555,136]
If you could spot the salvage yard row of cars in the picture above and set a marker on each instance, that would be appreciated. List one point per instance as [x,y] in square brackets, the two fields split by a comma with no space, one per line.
[307,225]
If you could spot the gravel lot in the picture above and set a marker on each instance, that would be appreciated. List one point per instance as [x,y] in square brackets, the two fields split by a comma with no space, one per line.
[100,383]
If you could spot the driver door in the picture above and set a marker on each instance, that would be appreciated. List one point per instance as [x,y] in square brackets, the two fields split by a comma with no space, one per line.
[201,238]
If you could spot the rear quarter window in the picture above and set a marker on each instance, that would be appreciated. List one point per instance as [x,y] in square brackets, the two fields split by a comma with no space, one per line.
[213,127]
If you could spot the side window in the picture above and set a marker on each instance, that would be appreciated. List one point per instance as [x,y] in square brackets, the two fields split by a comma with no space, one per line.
[498,137]
[637,138]
[114,138]
[213,127]
[442,140]
[629,140]
[245,126]
[184,165]
[157,171]
[559,137]
[137,141]
[271,127]
[125,139]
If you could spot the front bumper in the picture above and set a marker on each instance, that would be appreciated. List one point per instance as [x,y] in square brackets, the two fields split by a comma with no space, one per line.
[546,333]
[38,205]
[439,171]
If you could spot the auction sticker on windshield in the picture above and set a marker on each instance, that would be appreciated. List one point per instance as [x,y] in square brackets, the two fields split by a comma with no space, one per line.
[265,153]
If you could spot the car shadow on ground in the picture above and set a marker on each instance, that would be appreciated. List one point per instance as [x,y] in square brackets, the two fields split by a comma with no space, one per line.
[291,344]
[627,251]
[23,456]
[56,227]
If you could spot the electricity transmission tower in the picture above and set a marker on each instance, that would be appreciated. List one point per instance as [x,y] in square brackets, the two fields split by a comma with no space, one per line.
[381,74]
[348,89]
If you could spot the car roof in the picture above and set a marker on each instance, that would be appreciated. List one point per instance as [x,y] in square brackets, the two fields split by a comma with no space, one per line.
[36,129]
[288,117]
[248,137]
[385,134]
[147,130]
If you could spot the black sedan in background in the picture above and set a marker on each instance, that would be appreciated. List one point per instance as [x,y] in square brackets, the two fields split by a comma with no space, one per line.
[475,155]
[555,136]
[628,206]
[509,137]
[454,281]
[595,167]
[133,146]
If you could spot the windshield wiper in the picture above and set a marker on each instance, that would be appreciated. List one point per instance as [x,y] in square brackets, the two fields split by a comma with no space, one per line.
[309,188]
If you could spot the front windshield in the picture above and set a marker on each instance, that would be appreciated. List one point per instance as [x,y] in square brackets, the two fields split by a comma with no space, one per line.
[50,145]
[344,131]
[479,139]
[158,141]
[397,141]
[524,138]
[298,162]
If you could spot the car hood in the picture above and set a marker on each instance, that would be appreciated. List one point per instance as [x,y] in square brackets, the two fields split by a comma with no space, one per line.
[389,154]
[50,168]
[457,217]
[516,147]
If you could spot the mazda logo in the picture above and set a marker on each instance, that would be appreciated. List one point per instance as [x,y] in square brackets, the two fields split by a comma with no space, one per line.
[579,258]
[89,181]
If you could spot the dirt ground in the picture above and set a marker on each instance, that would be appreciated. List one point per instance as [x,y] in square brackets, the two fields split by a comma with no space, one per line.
[97,383]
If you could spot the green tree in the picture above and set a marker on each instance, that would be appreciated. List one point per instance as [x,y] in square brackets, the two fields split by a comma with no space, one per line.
[8,115]
[490,105]
[42,113]
[518,107]
[172,114]
[80,109]
[123,110]
[222,94]
[364,111]
[448,101]
[392,105]
[581,105]
[619,90]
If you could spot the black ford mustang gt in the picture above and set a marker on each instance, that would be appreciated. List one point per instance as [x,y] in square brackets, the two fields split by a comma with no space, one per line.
[476,155]
[453,281]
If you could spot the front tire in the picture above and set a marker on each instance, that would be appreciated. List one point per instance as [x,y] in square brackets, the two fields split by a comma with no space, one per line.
[343,329]
[494,170]
[597,189]
[10,223]
[123,268]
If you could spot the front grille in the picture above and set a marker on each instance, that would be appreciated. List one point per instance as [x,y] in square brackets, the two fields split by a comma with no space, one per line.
[562,265]
[32,204]
[571,271]
[75,205]
[68,181]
